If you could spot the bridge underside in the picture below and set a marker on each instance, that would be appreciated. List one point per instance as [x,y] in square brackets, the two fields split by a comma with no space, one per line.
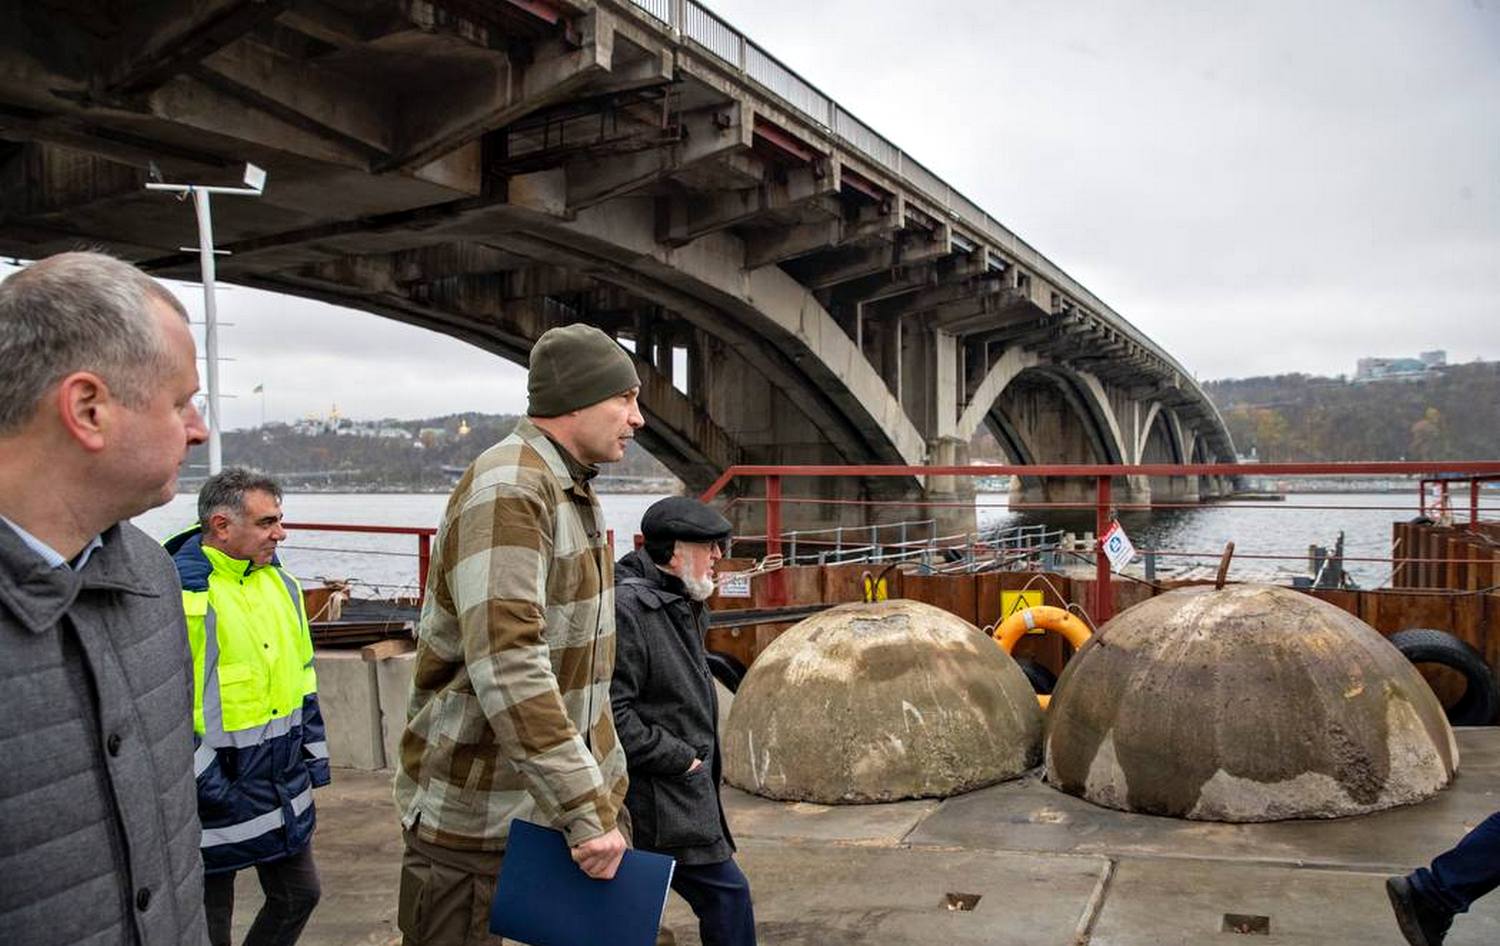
[489,171]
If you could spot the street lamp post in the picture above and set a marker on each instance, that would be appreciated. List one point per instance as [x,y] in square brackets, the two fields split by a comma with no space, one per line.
[255,183]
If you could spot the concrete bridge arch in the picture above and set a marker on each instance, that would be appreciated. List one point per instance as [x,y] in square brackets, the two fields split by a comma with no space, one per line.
[488,170]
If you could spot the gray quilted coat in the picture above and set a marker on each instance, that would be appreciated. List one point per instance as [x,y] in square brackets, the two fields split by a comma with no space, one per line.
[98,811]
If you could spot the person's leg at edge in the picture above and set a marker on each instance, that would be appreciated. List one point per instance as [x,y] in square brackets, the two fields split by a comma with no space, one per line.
[720,897]
[218,906]
[292,890]
[1466,872]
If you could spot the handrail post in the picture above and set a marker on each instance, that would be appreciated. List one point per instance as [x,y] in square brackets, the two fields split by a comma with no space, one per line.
[1104,599]
[776,581]
[424,560]
[1473,502]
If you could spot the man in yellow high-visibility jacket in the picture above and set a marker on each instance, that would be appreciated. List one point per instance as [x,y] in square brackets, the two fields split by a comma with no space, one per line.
[259,733]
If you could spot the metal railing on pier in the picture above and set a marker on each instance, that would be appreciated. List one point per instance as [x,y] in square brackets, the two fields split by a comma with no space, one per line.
[1106,510]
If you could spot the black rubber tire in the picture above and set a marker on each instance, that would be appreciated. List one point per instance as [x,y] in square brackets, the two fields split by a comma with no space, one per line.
[1480,703]
[1040,678]
[726,669]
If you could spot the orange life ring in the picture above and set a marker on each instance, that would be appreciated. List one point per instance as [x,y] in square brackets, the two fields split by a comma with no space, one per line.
[1060,620]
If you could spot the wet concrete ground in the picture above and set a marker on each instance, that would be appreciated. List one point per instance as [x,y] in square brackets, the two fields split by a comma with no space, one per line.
[1048,869]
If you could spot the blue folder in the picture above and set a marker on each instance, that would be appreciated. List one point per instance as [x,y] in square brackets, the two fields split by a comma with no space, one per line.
[544,899]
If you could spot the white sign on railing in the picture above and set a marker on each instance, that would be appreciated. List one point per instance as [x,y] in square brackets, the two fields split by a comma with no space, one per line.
[734,585]
[1117,547]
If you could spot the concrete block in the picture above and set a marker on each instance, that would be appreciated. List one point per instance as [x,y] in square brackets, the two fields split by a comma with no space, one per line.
[393,678]
[350,701]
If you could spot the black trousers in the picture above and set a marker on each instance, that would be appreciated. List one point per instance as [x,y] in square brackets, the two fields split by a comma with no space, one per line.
[720,896]
[292,890]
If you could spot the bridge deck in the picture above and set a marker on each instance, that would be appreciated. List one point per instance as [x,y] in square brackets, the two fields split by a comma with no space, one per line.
[1047,868]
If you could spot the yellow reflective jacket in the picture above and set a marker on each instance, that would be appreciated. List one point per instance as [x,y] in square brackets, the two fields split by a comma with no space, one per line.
[259,732]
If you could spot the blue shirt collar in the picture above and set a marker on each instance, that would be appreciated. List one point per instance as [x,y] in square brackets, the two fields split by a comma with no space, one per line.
[51,556]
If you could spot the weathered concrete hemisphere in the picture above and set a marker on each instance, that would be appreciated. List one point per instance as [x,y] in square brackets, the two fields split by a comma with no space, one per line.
[879,702]
[1254,703]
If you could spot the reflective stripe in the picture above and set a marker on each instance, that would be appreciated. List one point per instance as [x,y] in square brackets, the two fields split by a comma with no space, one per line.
[203,757]
[213,708]
[291,589]
[253,735]
[255,827]
[318,750]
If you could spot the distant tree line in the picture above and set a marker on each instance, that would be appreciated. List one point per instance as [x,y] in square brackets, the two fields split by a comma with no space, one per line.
[329,460]
[1454,414]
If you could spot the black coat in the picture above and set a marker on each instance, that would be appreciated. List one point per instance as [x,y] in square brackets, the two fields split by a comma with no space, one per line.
[666,714]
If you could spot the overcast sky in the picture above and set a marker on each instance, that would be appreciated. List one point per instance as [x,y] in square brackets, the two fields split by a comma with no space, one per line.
[1261,187]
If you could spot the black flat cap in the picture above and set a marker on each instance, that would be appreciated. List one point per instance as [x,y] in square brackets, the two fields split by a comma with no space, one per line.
[680,518]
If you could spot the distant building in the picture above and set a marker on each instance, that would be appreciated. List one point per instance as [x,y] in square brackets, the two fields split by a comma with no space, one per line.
[1399,369]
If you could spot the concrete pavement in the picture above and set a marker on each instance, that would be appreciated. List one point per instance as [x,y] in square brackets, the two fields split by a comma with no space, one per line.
[1047,868]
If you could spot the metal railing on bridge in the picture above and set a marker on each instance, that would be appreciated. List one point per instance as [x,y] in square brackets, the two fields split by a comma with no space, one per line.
[693,22]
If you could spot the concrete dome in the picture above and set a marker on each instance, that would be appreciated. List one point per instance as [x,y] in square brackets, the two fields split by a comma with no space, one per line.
[877,702]
[1253,703]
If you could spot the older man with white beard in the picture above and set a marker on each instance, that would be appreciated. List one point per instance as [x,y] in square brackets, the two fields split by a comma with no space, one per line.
[666,713]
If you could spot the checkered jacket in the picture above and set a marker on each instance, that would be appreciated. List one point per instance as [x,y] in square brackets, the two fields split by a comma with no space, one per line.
[509,714]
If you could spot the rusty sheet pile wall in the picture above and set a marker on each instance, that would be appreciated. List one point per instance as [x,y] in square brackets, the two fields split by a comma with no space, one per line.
[1469,615]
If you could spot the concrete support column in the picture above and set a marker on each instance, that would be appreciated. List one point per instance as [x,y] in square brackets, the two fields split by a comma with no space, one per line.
[951,519]
[1174,489]
[1137,490]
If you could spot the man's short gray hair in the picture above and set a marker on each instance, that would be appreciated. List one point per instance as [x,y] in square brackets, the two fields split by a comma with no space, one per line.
[225,491]
[78,312]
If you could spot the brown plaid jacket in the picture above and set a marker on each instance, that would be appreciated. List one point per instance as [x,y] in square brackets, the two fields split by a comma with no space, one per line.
[515,651]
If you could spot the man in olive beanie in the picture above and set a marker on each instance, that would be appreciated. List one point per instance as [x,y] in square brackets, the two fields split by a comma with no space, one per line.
[509,713]
[575,366]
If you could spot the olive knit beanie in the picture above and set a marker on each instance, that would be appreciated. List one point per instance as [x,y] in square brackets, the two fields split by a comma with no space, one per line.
[575,366]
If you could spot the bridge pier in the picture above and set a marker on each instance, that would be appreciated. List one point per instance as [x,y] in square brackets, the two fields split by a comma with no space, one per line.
[952,496]
[1174,489]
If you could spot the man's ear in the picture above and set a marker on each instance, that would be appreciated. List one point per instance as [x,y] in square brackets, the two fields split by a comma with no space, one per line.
[218,524]
[86,407]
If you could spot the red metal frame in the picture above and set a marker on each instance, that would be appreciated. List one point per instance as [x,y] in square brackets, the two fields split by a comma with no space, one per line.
[424,536]
[1475,482]
[1475,471]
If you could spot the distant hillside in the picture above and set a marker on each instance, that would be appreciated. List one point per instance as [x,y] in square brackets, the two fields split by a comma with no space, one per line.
[1452,415]
[388,464]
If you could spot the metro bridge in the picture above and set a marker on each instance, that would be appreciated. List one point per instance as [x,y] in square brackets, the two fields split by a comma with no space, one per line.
[795,287]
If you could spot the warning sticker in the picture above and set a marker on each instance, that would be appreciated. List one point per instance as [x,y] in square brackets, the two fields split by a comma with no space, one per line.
[1014,602]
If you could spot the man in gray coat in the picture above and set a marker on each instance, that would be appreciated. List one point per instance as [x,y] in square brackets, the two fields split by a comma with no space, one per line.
[667,711]
[98,815]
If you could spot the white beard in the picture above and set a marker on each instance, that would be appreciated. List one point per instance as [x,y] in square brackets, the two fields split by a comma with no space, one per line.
[699,589]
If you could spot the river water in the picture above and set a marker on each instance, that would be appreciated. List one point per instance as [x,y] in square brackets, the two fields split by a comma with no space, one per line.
[387,564]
